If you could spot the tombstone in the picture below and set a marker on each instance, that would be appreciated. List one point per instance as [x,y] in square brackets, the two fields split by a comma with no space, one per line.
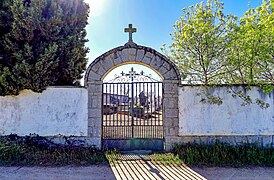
[143,99]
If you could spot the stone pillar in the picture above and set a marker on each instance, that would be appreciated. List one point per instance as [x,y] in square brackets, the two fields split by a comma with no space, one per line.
[95,112]
[136,55]
[171,112]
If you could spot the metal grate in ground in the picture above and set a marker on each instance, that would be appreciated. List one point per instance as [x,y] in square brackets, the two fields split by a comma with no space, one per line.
[131,166]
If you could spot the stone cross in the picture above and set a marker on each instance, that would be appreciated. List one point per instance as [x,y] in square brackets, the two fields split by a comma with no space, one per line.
[130,30]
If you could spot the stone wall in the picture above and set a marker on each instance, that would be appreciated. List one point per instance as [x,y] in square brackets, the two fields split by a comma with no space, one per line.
[132,54]
[229,122]
[56,111]
[60,111]
[234,140]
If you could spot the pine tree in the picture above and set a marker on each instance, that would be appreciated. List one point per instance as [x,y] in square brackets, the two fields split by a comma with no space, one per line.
[44,46]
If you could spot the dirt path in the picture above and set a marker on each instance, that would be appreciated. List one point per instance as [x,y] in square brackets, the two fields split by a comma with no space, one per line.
[100,172]
[251,173]
[133,168]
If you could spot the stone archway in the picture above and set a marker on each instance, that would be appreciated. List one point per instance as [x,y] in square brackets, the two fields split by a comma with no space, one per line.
[134,54]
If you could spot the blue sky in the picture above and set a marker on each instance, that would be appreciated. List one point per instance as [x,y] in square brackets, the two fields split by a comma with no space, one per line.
[152,18]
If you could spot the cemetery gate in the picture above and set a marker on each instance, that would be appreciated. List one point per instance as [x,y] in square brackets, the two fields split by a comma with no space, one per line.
[132,112]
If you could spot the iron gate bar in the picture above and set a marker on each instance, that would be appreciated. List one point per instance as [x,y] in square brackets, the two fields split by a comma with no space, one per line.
[132,105]
[113,95]
[151,119]
[132,110]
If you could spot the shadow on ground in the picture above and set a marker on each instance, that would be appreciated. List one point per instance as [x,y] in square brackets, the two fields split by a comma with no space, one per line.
[133,166]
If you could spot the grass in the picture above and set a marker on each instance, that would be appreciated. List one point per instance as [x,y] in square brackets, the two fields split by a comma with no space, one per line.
[221,154]
[15,153]
[112,156]
[30,153]
[167,158]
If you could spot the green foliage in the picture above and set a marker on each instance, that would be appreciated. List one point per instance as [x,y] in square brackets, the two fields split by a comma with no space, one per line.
[221,154]
[42,44]
[251,51]
[167,158]
[206,94]
[24,153]
[10,152]
[241,93]
[211,48]
[112,156]
[199,43]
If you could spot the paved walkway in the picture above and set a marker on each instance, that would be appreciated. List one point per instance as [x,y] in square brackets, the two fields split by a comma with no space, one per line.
[134,167]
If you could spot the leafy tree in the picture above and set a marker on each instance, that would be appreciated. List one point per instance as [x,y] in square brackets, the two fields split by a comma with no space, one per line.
[252,51]
[212,48]
[200,42]
[44,44]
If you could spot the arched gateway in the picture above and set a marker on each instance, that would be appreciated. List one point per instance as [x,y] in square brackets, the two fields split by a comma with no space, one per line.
[132,53]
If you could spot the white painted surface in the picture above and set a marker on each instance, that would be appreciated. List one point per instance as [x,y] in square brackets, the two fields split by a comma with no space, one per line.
[64,111]
[230,118]
[55,111]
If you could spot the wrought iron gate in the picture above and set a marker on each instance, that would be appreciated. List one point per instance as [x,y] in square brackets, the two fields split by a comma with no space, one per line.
[132,113]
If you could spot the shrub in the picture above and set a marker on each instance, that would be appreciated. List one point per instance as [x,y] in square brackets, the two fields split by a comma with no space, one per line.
[221,154]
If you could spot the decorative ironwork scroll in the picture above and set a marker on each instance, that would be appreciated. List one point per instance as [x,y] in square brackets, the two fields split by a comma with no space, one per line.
[133,76]
[132,109]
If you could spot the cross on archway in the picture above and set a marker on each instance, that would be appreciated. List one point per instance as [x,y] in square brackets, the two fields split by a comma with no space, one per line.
[130,30]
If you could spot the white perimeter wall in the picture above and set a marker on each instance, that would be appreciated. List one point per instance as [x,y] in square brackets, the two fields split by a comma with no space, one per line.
[55,111]
[64,111]
[230,118]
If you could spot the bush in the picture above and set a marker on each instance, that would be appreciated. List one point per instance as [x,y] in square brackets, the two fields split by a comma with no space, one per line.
[221,154]
[25,153]
[10,152]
